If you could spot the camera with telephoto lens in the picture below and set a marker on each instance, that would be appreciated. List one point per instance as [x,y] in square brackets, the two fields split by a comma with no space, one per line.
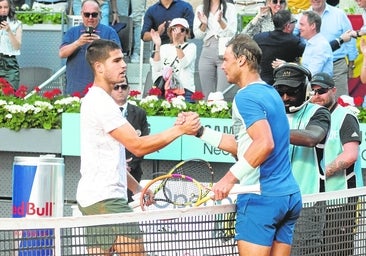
[3,18]
[89,30]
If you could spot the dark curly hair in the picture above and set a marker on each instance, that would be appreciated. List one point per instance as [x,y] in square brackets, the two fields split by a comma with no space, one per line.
[11,14]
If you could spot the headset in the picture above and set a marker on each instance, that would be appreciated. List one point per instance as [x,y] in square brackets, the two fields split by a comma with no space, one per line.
[306,72]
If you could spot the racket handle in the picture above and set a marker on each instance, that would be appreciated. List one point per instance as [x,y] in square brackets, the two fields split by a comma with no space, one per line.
[255,189]
[209,196]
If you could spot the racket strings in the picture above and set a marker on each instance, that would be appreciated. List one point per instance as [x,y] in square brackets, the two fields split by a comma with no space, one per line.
[199,169]
[181,191]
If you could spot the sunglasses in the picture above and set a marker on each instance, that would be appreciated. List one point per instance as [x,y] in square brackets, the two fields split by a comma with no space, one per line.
[182,30]
[122,86]
[293,21]
[289,92]
[278,2]
[88,14]
[320,91]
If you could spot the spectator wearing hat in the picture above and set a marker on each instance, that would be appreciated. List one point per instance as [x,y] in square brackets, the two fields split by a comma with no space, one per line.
[159,15]
[214,20]
[309,124]
[175,60]
[339,168]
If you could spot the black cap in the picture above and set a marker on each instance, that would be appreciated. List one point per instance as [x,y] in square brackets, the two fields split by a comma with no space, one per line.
[290,74]
[323,80]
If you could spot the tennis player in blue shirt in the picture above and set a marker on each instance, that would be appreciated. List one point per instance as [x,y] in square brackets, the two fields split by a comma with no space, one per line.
[265,222]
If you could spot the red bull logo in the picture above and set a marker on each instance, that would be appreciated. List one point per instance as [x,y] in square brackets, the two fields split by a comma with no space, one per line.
[31,209]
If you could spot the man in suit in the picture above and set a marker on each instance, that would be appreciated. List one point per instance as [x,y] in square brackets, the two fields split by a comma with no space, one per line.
[136,116]
[279,44]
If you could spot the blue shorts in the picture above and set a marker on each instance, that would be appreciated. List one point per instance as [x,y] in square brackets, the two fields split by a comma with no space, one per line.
[264,219]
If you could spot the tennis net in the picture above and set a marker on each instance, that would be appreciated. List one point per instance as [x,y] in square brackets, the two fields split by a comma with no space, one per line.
[330,224]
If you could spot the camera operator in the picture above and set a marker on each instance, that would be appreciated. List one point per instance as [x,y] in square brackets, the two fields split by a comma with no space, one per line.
[75,42]
[10,42]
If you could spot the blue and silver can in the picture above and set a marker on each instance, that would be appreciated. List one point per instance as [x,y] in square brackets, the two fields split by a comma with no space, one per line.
[38,192]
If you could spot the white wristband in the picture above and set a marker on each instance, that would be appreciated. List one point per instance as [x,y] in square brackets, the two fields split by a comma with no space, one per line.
[212,137]
[241,168]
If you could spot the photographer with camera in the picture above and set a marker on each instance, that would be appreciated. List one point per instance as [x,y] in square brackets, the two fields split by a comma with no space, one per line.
[10,42]
[75,42]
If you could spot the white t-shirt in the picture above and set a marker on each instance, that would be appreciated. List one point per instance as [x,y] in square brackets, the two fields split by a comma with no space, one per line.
[103,161]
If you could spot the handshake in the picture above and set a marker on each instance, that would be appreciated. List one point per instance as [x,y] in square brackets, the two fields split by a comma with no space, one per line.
[189,122]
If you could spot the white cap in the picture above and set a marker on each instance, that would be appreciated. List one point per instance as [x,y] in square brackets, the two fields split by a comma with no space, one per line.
[179,21]
[215,96]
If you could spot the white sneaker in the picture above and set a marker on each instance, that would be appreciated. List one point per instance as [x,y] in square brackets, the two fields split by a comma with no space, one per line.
[135,58]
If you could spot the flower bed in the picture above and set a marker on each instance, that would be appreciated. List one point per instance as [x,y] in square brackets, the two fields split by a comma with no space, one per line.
[45,111]
[35,112]
[172,105]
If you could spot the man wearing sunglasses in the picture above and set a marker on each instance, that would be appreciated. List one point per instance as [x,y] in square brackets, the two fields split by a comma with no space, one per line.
[75,42]
[339,166]
[309,125]
[136,116]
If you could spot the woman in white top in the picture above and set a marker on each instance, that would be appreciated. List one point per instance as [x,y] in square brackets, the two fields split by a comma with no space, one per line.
[176,58]
[10,42]
[213,19]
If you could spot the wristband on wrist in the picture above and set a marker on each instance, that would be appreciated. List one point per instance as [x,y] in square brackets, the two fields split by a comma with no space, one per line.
[241,169]
[340,40]
[200,132]
[211,137]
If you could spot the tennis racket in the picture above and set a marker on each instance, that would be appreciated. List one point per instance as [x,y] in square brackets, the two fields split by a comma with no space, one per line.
[179,190]
[199,169]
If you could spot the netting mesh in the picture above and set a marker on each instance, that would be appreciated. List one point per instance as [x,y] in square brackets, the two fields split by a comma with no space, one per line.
[330,224]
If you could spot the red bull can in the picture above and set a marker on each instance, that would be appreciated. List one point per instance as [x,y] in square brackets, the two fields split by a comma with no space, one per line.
[38,192]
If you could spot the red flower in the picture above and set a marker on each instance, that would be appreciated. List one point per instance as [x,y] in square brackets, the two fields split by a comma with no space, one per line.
[134,93]
[7,91]
[49,95]
[358,101]
[21,92]
[37,89]
[155,91]
[342,103]
[76,94]
[6,87]
[197,96]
